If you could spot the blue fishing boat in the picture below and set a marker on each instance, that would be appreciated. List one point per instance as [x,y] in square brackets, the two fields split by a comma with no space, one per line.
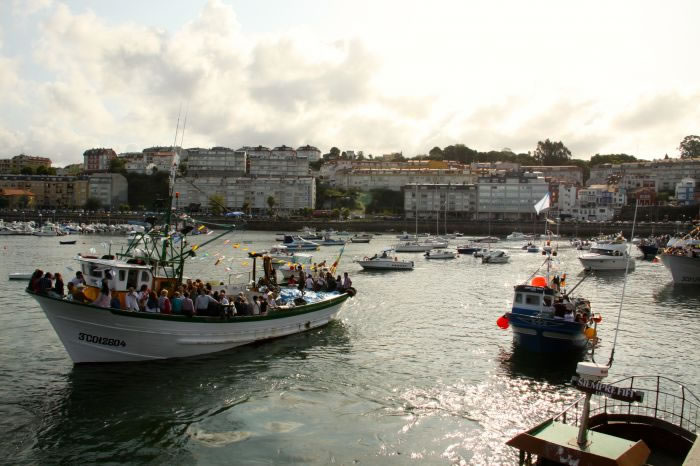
[546,321]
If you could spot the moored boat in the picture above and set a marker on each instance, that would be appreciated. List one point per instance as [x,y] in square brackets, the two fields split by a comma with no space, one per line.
[413,246]
[361,238]
[496,256]
[440,254]
[385,261]
[608,254]
[682,259]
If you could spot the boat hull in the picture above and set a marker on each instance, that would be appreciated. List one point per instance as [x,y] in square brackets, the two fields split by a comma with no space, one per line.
[386,265]
[684,269]
[91,334]
[648,250]
[596,262]
[540,335]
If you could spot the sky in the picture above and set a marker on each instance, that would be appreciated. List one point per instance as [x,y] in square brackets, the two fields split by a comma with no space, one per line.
[377,76]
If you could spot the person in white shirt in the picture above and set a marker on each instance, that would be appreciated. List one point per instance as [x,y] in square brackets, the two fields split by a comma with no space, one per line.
[78,280]
[132,300]
[309,282]
[255,306]
[201,304]
[270,298]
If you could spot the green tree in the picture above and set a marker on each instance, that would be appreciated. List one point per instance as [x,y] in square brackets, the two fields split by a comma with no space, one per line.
[552,153]
[600,159]
[93,203]
[436,153]
[24,201]
[124,207]
[335,152]
[385,200]
[690,147]
[182,169]
[51,171]
[117,165]
[216,204]
[345,213]
[42,170]
[27,171]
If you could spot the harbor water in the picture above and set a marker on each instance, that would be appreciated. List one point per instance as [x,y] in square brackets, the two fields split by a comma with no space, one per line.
[414,371]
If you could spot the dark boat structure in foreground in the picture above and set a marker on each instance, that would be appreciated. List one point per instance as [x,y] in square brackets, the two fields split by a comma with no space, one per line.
[634,421]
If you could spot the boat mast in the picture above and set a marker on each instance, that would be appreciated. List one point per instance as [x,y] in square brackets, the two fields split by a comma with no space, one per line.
[437,211]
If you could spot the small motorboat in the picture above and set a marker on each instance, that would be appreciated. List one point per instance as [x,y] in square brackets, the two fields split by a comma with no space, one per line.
[385,261]
[361,238]
[72,241]
[495,257]
[467,248]
[19,276]
[440,255]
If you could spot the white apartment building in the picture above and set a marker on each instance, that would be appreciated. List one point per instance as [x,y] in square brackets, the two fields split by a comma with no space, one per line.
[571,174]
[394,179]
[220,160]
[111,189]
[685,191]
[257,151]
[433,200]
[284,150]
[310,152]
[601,195]
[278,164]
[593,213]
[667,173]
[290,194]
[567,199]
[510,197]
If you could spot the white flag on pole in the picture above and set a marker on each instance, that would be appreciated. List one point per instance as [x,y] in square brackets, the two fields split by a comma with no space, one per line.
[542,204]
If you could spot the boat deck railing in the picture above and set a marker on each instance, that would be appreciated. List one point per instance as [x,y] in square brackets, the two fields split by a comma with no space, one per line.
[664,399]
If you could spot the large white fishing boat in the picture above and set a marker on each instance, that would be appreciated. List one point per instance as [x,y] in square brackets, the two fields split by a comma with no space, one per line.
[156,259]
[682,258]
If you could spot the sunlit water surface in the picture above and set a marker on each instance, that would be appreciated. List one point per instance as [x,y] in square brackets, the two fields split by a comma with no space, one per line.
[413,371]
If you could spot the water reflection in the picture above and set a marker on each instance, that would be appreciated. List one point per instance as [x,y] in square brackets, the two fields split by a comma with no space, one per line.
[558,370]
[685,298]
[148,408]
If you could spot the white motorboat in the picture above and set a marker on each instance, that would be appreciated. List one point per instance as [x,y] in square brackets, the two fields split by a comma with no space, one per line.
[436,242]
[96,334]
[19,276]
[299,244]
[531,247]
[519,236]
[361,238]
[440,255]
[487,239]
[328,241]
[413,246]
[480,252]
[608,254]
[47,230]
[385,261]
[496,256]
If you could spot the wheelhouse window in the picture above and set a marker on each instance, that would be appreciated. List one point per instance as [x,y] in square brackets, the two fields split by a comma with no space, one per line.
[532,299]
[144,276]
[122,275]
[95,271]
[518,298]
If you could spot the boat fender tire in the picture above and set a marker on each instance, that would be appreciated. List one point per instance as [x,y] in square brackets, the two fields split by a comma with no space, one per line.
[351,291]
[365,258]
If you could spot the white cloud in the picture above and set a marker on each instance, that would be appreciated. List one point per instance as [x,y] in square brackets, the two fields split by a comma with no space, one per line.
[396,79]
[30,7]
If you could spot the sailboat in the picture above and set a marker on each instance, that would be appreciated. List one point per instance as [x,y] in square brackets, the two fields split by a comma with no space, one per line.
[633,421]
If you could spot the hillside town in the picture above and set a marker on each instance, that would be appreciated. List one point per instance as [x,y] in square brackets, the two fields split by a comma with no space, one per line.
[256,180]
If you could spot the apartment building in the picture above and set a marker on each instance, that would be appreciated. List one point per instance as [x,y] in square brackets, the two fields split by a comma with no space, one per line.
[571,174]
[433,200]
[310,152]
[278,164]
[18,162]
[685,191]
[367,179]
[510,197]
[51,191]
[217,160]
[111,189]
[97,160]
[666,173]
[290,194]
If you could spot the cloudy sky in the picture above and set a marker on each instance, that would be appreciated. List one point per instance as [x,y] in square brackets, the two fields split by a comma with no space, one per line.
[378,76]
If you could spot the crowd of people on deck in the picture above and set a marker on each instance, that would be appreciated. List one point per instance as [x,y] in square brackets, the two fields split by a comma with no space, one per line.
[191,298]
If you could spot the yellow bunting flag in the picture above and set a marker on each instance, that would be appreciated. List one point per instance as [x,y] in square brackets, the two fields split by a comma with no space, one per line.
[244,263]
[195,247]
[201,227]
[227,241]
[245,249]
